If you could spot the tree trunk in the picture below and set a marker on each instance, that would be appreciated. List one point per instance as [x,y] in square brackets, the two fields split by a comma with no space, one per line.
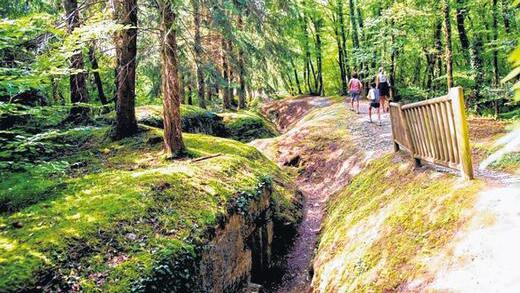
[463,36]
[343,34]
[506,10]
[496,73]
[173,142]
[126,52]
[317,29]
[78,87]
[241,69]
[95,72]
[339,31]
[353,24]
[226,96]
[393,57]
[198,53]
[190,94]
[307,55]
[447,34]
[438,47]
[295,72]
[477,66]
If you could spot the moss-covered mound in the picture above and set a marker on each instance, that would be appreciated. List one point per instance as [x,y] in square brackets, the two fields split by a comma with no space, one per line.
[31,119]
[246,126]
[194,119]
[379,236]
[116,217]
[243,126]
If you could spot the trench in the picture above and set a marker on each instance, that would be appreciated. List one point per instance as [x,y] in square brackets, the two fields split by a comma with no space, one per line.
[326,157]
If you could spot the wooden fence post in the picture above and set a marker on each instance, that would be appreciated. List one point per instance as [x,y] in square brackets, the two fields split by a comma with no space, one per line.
[393,126]
[462,131]
[408,135]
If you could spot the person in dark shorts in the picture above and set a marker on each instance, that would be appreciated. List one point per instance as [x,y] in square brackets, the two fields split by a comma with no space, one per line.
[383,85]
[374,97]
[355,86]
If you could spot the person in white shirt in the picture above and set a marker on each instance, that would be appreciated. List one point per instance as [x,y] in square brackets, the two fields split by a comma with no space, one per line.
[374,97]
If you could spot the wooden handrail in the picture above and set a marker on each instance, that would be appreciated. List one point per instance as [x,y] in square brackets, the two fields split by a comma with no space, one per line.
[434,130]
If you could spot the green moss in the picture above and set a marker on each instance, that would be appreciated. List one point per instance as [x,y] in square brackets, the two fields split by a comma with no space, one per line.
[32,119]
[194,119]
[113,221]
[246,126]
[378,235]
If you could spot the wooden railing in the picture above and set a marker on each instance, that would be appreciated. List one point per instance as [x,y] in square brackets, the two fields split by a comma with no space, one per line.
[435,131]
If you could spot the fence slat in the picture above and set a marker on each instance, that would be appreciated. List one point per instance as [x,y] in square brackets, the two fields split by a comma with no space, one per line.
[442,134]
[435,131]
[438,134]
[431,152]
[453,133]
[422,136]
[435,138]
[444,113]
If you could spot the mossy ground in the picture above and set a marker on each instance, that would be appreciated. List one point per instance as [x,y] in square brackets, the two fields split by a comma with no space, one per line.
[243,126]
[246,126]
[104,216]
[381,232]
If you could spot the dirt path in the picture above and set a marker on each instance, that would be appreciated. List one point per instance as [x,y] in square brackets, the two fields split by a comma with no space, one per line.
[328,144]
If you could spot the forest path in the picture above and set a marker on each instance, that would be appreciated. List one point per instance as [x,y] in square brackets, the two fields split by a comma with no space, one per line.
[327,143]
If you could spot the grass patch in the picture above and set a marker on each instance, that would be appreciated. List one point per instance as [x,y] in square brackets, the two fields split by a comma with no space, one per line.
[509,163]
[379,235]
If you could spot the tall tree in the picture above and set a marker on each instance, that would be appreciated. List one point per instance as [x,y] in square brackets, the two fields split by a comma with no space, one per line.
[78,87]
[198,52]
[173,142]
[226,72]
[496,73]
[477,65]
[95,72]
[297,79]
[506,10]
[353,23]
[463,35]
[448,49]
[339,32]
[126,51]
[241,61]
[318,23]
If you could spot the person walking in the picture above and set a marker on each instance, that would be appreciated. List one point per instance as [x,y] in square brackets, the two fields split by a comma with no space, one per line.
[374,97]
[355,86]
[383,85]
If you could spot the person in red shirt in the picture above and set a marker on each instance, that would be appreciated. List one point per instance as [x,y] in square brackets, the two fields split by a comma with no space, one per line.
[355,86]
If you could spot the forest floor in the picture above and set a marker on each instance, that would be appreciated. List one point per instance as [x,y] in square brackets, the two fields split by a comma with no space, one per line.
[327,145]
